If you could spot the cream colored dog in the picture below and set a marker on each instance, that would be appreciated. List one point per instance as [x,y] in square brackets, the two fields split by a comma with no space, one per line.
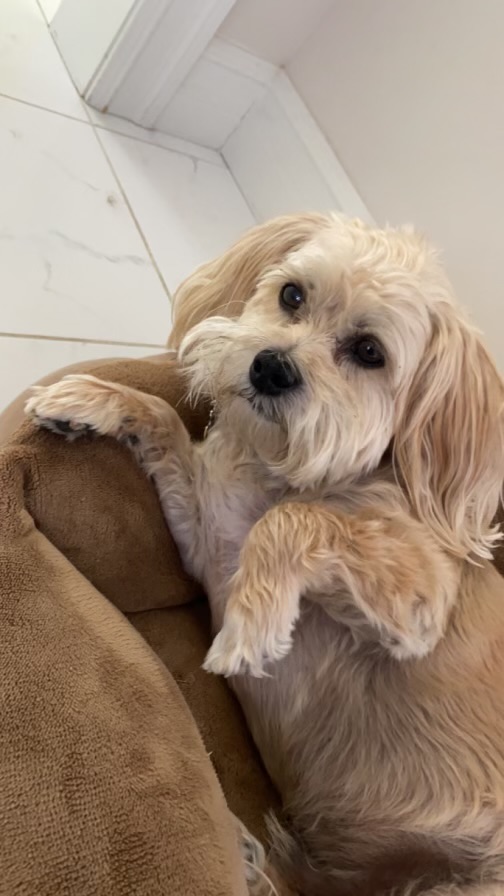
[339,515]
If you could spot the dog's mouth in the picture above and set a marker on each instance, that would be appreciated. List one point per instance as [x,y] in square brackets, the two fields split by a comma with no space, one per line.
[264,406]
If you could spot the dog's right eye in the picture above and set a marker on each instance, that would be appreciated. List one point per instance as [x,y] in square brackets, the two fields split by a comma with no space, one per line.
[366,352]
[291,297]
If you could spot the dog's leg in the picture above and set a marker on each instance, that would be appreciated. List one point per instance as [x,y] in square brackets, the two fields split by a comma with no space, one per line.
[146,424]
[400,582]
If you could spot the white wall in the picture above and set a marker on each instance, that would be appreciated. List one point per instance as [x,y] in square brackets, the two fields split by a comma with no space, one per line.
[410,94]
[273,29]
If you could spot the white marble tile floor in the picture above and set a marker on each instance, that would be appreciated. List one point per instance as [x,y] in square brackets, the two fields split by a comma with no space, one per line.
[99,219]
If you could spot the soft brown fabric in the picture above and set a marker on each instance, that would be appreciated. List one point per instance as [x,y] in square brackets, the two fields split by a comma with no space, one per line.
[105,785]
[180,637]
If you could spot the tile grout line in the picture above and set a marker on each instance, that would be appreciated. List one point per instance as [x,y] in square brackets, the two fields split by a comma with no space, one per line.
[17,99]
[42,12]
[238,187]
[80,340]
[179,152]
[133,215]
[89,123]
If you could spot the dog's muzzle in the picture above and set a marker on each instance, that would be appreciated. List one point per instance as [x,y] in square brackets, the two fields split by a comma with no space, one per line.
[274,373]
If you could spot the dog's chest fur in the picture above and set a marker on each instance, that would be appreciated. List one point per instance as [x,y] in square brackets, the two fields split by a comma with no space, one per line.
[232,497]
[323,668]
[233,494]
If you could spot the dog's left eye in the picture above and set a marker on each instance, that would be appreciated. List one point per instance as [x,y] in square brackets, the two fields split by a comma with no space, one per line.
[291,297]
[367,352]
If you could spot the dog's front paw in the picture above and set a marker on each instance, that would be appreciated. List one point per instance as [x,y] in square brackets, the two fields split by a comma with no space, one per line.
[236,650]
[251,637]
[72,407]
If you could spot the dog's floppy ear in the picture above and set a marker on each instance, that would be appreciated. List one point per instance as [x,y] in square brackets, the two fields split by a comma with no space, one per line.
[449,449]
[221,287]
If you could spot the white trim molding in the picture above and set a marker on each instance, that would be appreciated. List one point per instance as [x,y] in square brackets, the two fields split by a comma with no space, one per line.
[282,162]
[131,56]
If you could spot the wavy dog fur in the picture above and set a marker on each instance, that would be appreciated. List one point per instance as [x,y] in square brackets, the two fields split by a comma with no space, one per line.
[343,530]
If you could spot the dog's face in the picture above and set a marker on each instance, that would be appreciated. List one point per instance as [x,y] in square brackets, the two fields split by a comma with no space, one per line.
[323,352]
[343,349]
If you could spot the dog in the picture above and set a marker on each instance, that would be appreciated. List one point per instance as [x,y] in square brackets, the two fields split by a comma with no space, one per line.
[339,514]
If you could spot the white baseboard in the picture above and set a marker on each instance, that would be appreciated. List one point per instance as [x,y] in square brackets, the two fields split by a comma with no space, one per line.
[282,162]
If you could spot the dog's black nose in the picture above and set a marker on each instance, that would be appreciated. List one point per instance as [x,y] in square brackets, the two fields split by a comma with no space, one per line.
[272,372]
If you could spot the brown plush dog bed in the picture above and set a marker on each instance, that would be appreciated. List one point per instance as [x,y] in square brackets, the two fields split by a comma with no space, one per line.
[106,786]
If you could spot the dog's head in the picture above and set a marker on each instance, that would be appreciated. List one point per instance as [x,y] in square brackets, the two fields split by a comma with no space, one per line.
[341,344]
